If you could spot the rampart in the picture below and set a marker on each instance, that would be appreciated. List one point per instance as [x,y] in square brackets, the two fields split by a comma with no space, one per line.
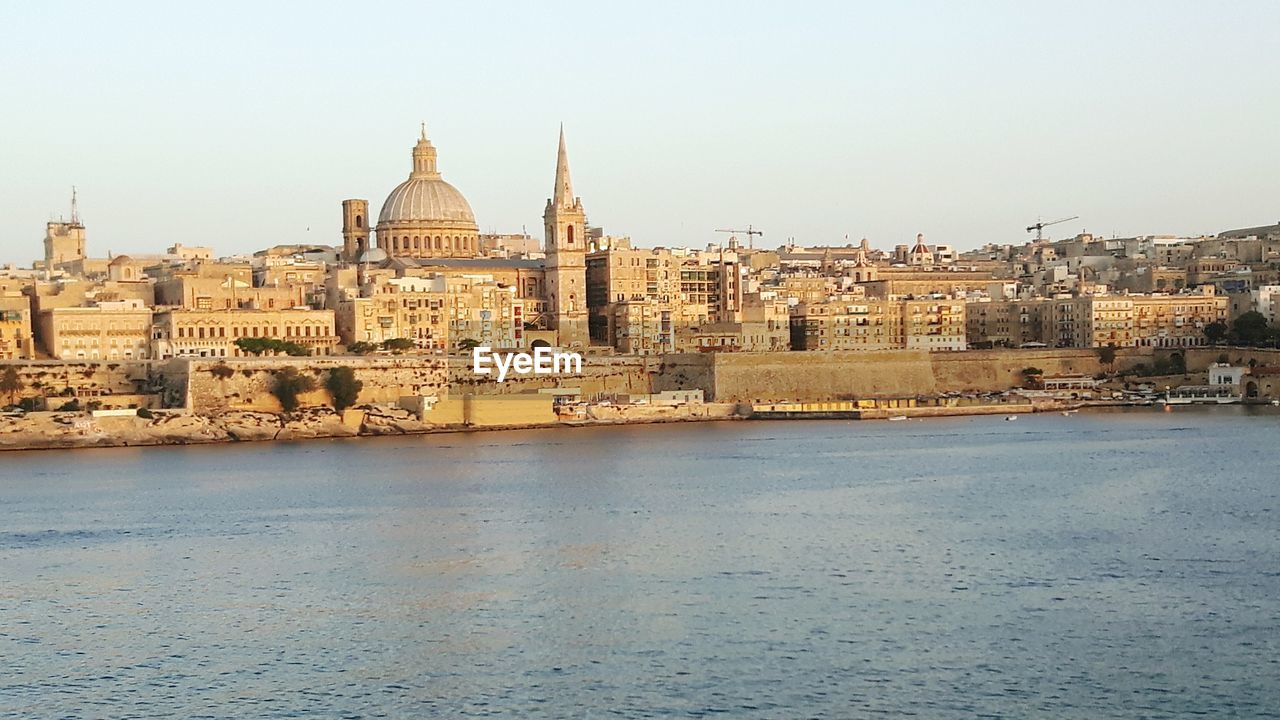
[819,376]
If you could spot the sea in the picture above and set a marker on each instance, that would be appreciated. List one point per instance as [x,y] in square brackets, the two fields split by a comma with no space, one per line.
[1119,564]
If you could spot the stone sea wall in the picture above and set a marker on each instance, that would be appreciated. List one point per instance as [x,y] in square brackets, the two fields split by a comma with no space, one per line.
[211,389]
[821,376]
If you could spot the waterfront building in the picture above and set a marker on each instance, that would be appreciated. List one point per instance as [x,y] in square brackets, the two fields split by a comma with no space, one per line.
[439,313]
[415,308]
[1177,320]
[480,311]
[853,323]
[110,330]
[179,332]
[993,322]
[765,327]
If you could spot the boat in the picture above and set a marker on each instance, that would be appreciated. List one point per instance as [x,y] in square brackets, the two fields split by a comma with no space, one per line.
[1010,418]
[897,418]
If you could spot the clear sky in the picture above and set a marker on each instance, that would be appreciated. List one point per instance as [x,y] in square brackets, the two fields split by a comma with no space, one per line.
[244,124]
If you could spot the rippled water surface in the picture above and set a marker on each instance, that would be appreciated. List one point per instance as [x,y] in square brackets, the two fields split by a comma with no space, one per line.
[1099,565]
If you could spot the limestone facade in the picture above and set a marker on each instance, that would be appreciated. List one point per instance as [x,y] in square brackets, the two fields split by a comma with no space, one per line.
[119,330]
[212,333]
[565,226]
[16,339]
[850,323]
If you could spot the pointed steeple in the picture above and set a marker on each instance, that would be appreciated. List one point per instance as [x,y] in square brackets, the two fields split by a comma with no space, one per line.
[563,196]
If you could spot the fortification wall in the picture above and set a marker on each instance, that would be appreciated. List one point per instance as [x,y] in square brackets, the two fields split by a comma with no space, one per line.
[601,375]
[248,385]
[1199,359]
[61,381]
[823,376]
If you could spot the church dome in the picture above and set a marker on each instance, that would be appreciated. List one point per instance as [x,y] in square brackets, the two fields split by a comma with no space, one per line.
[426,199]
[426,216]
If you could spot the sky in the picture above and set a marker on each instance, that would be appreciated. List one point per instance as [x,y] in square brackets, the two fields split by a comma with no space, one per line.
[242,125]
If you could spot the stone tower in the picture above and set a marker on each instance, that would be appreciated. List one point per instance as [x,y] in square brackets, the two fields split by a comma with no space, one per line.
[355,229]
[64,241]
[565,224]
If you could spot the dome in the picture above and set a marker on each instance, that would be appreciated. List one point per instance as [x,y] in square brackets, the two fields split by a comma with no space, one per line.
[426,199]
[426,216]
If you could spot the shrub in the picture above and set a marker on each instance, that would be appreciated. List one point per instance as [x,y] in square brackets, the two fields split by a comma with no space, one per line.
[10,383]
[288,384]
[258,346]
[145,413]
[361,347]
[398,345]
[71,406]
[343,387]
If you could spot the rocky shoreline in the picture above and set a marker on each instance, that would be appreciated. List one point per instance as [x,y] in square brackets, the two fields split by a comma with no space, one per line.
[68,430]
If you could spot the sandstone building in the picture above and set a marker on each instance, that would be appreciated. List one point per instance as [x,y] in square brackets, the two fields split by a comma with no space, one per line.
[16,340]
[180,332]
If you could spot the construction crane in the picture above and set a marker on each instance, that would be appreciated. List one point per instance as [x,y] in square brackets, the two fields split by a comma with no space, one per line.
[750,232]
[1041,225]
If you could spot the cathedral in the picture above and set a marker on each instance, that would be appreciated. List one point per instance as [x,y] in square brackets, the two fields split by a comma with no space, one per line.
[425,221]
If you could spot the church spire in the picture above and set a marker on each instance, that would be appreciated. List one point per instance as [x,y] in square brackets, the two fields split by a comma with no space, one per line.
[563,196]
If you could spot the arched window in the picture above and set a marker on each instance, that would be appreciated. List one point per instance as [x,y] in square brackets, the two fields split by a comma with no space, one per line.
[359,221]
[569,234]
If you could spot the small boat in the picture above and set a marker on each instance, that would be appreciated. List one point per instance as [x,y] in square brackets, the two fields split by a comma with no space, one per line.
[1275,402]
[1010,418]
[897,418]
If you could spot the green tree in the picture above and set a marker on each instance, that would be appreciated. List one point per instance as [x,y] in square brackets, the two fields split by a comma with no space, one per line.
[10,383]
[258,346]
[468,344]
[1250,328]
[343,387]
[1032,376]
[288,384]
[1107,355]
[361,347]
[1215,332]
[398,345]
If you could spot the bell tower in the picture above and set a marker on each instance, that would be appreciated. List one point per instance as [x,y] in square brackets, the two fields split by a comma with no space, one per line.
[355,229]
[565,223]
